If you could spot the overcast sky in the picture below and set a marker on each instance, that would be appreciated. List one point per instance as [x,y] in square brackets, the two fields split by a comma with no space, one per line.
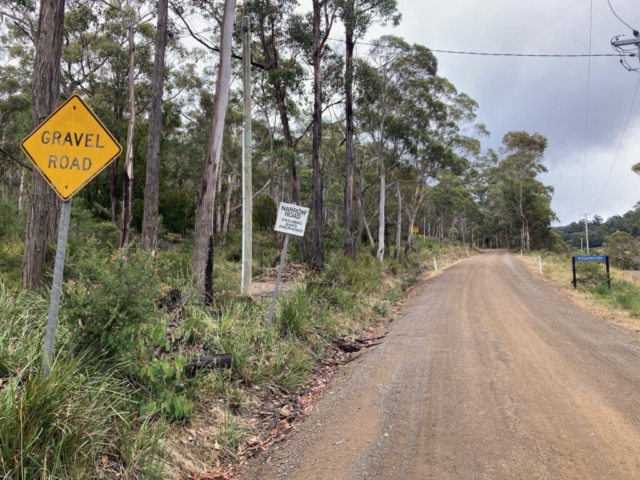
[544,95]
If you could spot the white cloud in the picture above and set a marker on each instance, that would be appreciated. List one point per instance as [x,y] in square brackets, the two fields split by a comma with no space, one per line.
[542,95]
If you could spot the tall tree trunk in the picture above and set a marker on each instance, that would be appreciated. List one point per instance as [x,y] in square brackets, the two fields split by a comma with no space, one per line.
[21,191]
[396,252]
[317,258]
[203,235]
[118,112]
[349,250]
[152,182]
[127,201]
[281,100]
[408,248]
[45,207]
[218,228]
[280,93]
[381,214]
[113,189]
[231,184]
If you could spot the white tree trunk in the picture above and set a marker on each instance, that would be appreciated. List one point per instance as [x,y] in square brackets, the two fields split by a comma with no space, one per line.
[231,184]
[203,235]
[396,252]
[383,200]
[128,165]
[21,192]
[218,207]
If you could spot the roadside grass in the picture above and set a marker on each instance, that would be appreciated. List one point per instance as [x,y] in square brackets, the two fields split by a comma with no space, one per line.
[120,403]
[80,422]
[621,303]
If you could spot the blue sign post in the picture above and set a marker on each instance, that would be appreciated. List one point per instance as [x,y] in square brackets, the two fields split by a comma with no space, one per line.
[590,258]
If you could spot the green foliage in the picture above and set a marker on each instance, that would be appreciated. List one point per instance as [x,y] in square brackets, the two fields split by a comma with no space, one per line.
[623,294]
[361,276]
[176,209]
[599,229]
[43,427]
[623,250]
[110,308]
[22,319]
[265,212]
[11,225]
[590,274]
[59,427]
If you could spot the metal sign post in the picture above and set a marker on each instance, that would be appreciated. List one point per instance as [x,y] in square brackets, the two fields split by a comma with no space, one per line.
[56,288]
[69,149]
[278,278]
[291,220]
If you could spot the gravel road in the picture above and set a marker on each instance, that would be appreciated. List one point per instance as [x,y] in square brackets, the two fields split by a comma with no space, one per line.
[487,374]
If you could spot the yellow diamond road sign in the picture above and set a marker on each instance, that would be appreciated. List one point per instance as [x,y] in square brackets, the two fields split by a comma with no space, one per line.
[71,147]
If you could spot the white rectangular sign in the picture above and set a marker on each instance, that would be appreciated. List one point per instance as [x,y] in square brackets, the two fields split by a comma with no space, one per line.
[292,219]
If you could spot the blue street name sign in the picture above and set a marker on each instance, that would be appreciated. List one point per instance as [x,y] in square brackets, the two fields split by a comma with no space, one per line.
[591,258]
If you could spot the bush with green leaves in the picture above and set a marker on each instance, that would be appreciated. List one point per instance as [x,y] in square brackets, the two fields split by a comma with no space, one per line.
[264,213]
[110,307]
[591,274]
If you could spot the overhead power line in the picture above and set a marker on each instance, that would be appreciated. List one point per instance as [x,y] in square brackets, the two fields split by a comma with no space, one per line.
[613,164]
[497,54]
[182,35]
[534,55]
[618,17]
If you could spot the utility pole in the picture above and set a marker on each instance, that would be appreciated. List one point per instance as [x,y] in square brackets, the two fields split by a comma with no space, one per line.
[247,184]
[586,229]
[580,243]
[619,45]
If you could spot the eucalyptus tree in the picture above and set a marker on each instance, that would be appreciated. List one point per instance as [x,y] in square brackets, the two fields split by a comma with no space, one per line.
[107,55]
[518,170]
[324,15]
[358,16]
[203,235]
[282,40]
[152,179]
[388,102]
[45,205]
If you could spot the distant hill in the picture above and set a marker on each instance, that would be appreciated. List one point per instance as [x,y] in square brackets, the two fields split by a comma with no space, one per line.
[600,229]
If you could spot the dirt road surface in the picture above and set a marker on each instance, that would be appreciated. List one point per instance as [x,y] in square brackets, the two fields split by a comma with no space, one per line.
[487,374]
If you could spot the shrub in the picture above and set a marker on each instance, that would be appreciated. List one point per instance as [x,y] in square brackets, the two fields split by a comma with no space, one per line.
[110,309]
[590,274]
[11,225]
[264,213]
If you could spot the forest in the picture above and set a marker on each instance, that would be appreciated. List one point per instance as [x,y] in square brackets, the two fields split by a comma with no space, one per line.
[375,143]
[600,229]
[388,155]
